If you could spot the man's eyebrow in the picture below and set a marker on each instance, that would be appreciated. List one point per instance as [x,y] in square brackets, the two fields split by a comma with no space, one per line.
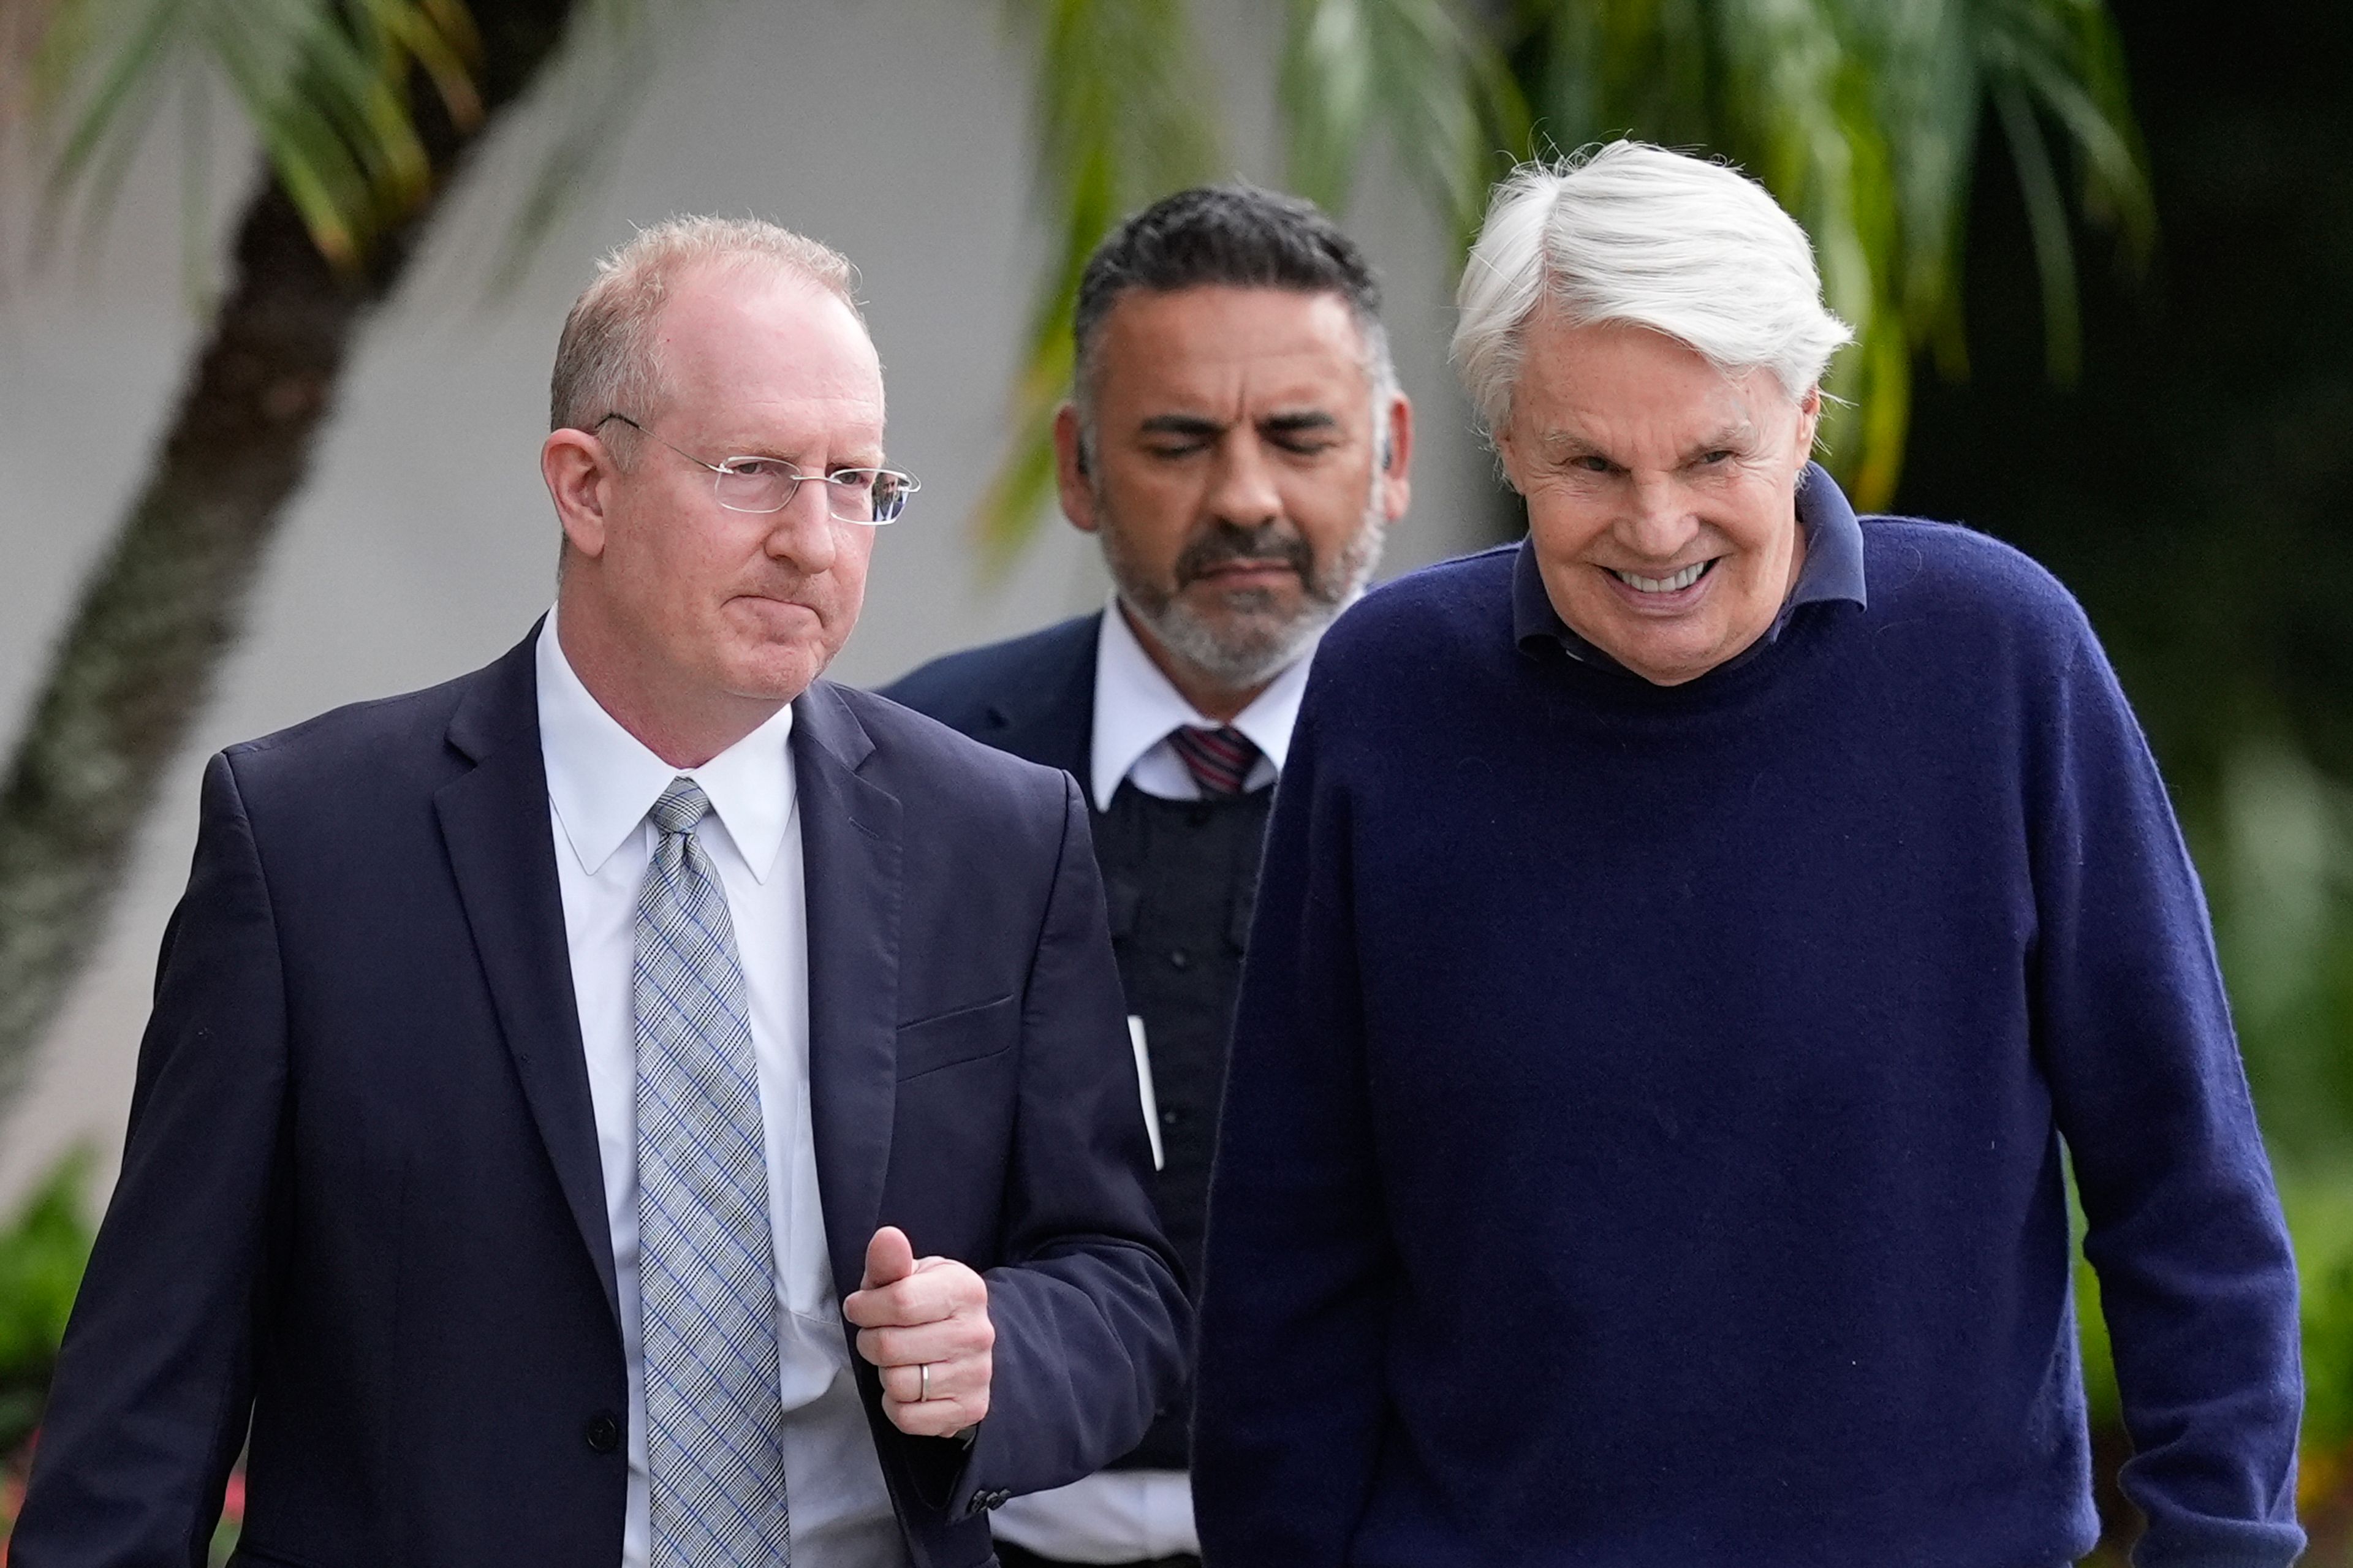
[1564,444]
[1299,423]
[1730,438]
[1567,444]
[1192,424]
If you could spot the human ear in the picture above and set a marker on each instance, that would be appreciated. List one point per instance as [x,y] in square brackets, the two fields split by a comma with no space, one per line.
[1507,455]
[1397,458]
[1809,419]
[1071,469]
[578,470]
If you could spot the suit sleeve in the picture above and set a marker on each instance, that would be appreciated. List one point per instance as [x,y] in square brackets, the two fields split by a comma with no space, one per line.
[1091,1320]
[153,1385]
[1289,1407]
[2197,1279]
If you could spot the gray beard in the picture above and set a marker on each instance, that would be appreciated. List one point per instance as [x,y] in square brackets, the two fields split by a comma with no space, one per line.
[1255,641]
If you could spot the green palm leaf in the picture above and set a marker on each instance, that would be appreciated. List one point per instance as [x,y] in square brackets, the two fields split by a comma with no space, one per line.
[1125,113]
[2058,61]
[1441,82]
[323,82]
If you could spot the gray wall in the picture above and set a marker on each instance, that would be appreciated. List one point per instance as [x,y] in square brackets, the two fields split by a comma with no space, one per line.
[423,544]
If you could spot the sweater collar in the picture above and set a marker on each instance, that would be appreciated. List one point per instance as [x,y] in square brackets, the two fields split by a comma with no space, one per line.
[1833,570]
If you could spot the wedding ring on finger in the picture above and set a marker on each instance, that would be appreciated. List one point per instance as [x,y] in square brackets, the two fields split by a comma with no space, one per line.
[922,1382]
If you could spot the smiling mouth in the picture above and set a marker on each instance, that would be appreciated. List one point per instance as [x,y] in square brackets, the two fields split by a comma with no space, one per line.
[1673,583]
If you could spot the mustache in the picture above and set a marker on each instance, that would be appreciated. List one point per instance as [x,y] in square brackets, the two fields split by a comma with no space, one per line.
[1223,543]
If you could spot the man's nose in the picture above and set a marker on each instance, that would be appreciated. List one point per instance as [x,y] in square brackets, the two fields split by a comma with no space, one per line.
[1657,518]
[1243,491]
[804,534]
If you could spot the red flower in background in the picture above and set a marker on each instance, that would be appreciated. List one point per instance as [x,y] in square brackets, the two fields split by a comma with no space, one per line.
[11,1498]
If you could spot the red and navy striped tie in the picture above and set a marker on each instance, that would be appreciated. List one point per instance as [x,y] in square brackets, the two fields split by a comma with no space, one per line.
[1219,760]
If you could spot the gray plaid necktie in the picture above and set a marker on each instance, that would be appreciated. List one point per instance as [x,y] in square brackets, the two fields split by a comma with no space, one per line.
[707,1266]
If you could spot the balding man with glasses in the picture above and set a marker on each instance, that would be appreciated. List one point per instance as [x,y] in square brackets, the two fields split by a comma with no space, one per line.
[641,1101]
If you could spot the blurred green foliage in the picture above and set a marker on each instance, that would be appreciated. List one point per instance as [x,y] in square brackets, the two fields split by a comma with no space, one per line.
[42,1255]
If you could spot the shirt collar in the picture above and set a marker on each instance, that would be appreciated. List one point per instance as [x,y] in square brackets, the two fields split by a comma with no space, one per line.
[1136,706]
[1833,570]
[603,781]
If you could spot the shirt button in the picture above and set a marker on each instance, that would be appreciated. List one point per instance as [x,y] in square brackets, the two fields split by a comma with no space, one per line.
[604,1433]
[1180,959]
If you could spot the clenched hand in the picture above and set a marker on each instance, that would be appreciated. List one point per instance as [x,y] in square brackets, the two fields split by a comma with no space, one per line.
[925,1322]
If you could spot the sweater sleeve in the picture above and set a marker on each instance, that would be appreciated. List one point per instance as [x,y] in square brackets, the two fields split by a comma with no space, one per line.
[1289,1402]
[2185,1229]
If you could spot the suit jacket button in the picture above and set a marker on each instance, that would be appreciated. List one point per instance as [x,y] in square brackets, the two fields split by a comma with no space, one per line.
[604,1433]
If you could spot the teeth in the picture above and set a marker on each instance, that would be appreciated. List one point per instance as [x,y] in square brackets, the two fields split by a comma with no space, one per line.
[1682,579]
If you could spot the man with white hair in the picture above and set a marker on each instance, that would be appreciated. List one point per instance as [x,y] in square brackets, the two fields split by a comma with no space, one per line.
[1237,441]
[1695,943]
[641,1102]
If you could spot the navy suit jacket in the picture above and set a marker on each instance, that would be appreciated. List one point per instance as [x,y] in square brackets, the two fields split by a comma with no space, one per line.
[1033,696]
[361,1204]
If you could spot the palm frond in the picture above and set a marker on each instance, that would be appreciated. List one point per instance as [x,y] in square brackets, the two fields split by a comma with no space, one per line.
[1126,113]
[1605,68]
[1927,98]
[1438,78]
[2046,212]
[1325,90]
[325,84]
[2057,61]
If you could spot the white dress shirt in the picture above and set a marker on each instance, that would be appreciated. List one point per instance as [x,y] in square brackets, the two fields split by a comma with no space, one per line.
[1136,1516]
[601,782]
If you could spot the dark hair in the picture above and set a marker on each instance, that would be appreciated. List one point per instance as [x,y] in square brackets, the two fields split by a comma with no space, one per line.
[1236,234]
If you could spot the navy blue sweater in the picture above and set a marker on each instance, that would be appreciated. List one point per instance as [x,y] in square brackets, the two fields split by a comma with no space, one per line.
[1644,1142]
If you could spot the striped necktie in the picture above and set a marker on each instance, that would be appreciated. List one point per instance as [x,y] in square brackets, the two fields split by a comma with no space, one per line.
[707,1263]
[1219,760]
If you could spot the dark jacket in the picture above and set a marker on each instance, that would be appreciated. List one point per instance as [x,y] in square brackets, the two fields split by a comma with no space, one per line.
[1033,696]
[362,1202]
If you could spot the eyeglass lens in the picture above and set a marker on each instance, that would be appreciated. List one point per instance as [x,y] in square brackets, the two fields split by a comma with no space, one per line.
[852,495]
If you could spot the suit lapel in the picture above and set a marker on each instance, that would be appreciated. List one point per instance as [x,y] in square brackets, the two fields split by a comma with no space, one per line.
[496,824]
[850,850]
[1052,721]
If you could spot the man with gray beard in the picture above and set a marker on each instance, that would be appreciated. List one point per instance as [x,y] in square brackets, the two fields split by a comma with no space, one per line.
[1237,440]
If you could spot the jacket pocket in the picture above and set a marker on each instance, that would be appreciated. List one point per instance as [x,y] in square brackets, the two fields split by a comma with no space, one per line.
[959,1034]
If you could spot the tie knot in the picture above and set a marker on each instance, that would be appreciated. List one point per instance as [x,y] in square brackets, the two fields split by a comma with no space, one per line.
[682,806]
[1219,760]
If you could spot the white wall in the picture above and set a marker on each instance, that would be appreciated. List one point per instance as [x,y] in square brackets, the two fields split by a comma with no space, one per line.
[423,544]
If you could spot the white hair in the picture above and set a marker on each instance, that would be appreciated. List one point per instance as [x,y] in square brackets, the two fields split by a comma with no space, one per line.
[1635,234]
